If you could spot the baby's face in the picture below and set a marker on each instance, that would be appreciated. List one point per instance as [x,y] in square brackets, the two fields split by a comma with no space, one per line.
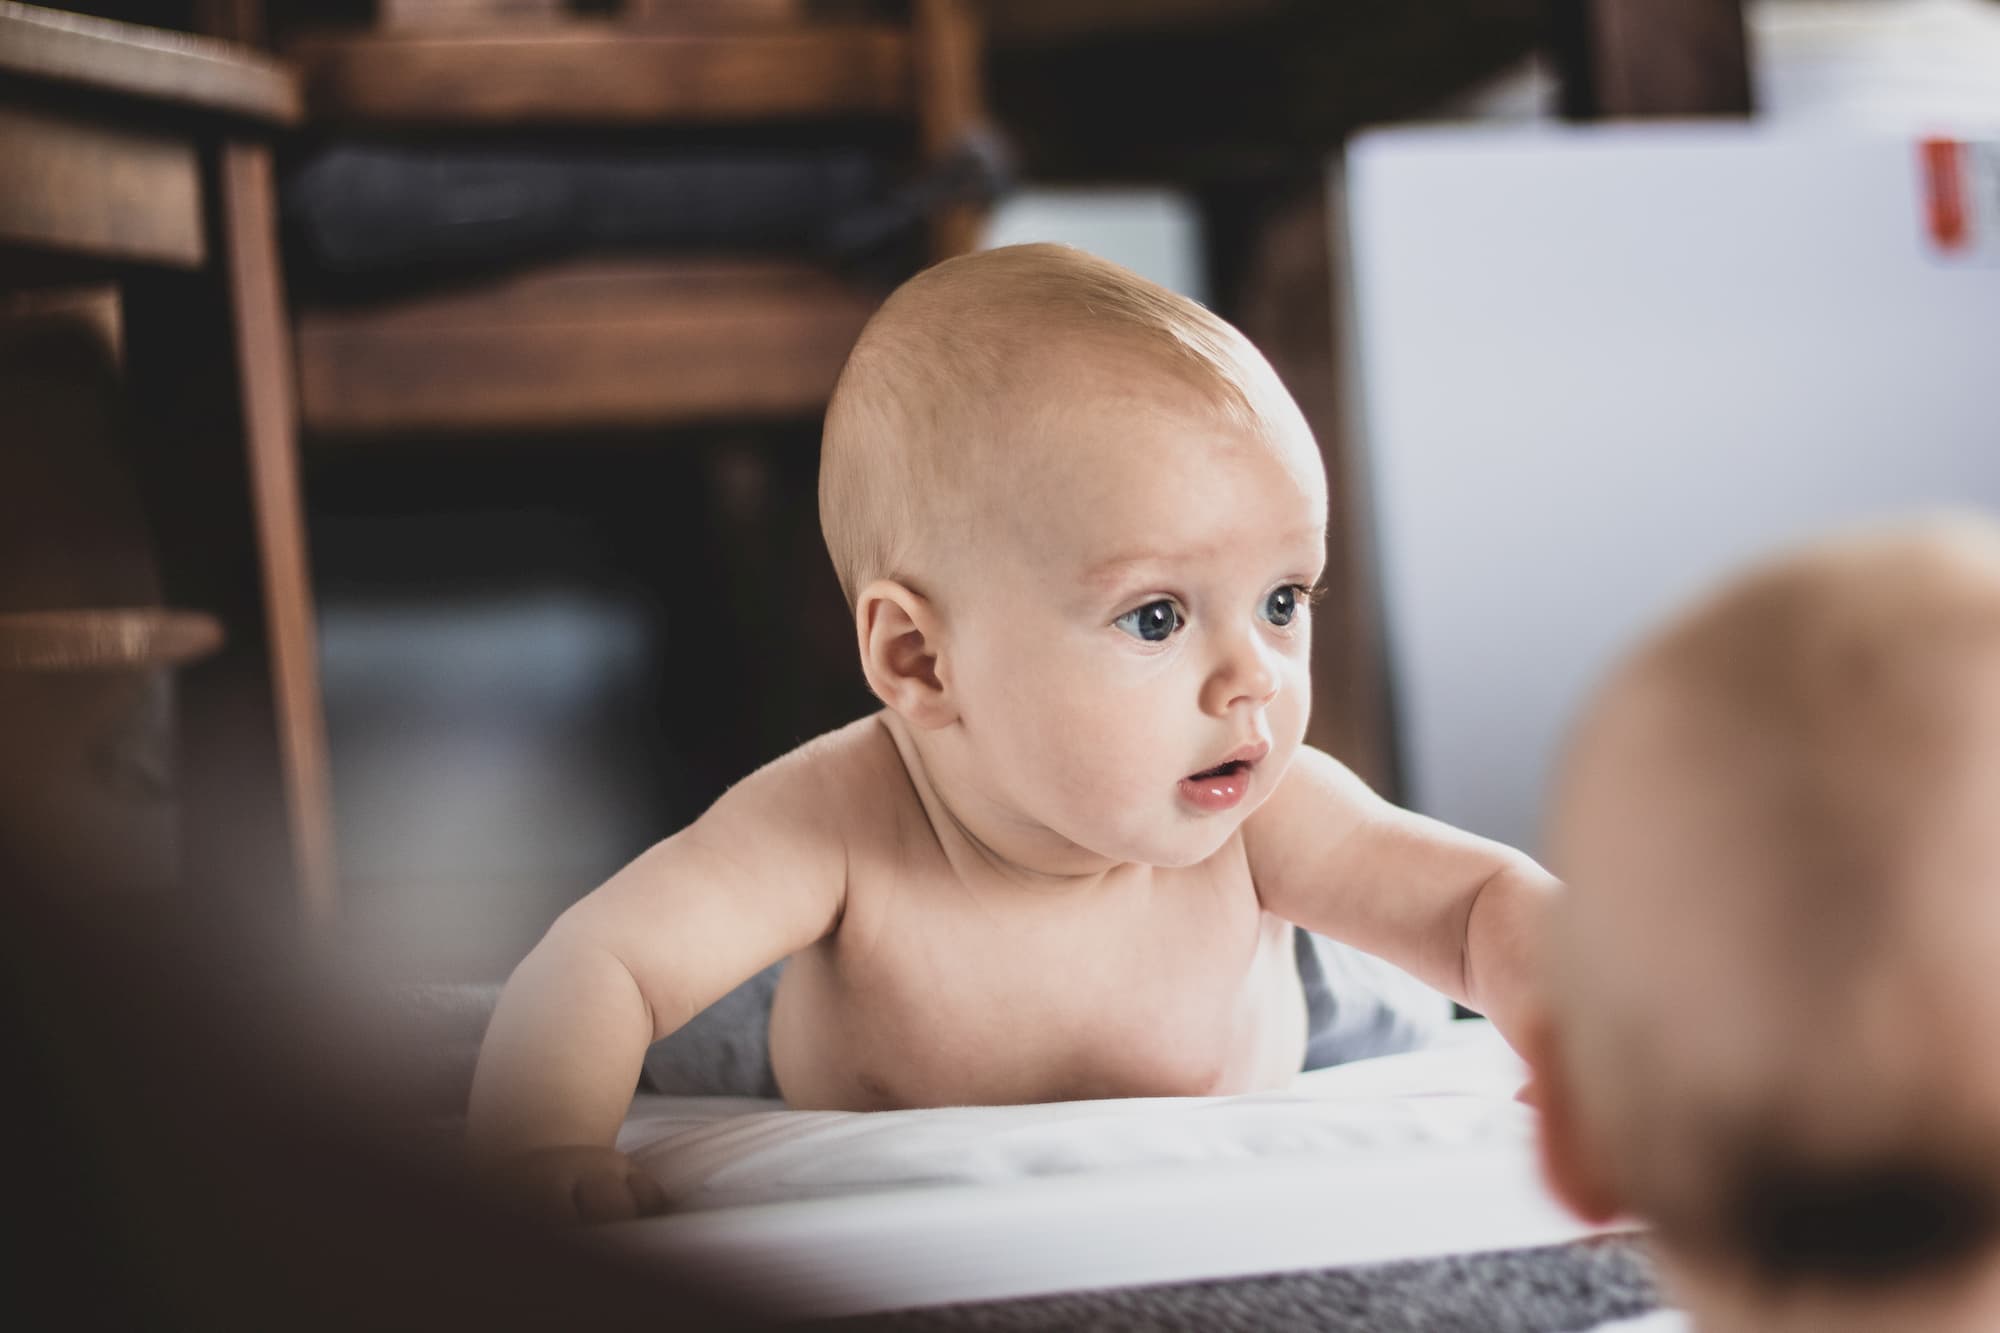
[1131,658]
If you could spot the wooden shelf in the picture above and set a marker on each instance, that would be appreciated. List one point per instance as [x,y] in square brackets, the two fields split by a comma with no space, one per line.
[105,639]
[588,344]
[604,73]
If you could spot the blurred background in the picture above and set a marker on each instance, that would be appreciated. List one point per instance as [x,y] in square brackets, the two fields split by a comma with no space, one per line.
[409,410]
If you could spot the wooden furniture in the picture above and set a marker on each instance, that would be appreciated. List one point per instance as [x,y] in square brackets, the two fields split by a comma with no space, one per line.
[139,156]
[636,342]
[106,639]
[1641,58]
[604,72]
[588,344]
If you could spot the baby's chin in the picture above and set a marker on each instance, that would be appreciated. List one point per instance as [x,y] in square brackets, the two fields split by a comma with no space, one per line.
[1188,842]
[1170,835]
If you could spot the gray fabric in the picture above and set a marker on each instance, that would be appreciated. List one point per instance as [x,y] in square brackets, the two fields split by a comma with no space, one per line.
[723,1051]
[1358,1006]
[1557,1289]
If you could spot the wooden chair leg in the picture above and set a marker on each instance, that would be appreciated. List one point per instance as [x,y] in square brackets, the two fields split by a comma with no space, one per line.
[209,368]
[248,214]
[950,95]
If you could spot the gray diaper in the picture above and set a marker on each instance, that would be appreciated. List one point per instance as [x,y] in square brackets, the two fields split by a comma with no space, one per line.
[1356,1006]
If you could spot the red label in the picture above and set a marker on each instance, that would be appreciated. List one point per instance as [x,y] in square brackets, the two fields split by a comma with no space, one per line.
[1944,183]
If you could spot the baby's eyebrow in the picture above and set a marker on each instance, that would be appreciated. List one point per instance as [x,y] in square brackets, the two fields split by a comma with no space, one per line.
[1119,567]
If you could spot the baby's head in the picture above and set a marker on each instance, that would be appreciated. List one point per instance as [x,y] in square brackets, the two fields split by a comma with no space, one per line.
[1075,515]
[1775,981]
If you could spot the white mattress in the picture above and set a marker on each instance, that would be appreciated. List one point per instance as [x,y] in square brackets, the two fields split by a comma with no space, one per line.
[837,1212]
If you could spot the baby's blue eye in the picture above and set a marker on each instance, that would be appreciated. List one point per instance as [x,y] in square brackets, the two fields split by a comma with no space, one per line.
[1282,605]
[1154,622]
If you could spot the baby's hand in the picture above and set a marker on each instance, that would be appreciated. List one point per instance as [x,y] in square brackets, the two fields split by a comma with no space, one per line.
[581,1183]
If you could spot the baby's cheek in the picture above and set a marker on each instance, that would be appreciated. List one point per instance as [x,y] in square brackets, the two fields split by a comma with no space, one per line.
[1100,751]
[1294,701]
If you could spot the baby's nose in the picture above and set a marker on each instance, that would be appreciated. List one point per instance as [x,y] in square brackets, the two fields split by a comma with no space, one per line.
[1244,676]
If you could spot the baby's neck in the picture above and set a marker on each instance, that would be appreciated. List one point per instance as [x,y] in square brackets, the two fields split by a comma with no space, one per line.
[984,841]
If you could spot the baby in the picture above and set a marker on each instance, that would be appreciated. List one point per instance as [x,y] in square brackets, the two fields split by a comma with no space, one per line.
[1080,524]
[1773,982]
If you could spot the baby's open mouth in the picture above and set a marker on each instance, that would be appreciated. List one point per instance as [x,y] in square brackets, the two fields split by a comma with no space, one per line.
[1226,785]
[1228,770]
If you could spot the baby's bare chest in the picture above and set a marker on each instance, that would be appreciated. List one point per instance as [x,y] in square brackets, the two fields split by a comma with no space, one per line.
[934,992]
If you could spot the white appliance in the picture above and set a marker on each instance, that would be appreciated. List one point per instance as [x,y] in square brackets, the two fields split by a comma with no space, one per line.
[1599,367]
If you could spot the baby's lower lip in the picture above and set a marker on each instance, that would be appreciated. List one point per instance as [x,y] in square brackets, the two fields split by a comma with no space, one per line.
[1218,791]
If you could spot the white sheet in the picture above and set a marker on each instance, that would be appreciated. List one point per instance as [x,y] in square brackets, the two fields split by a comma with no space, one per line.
[836,1212]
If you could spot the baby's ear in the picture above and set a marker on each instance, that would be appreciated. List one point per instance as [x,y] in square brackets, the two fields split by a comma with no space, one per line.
[1571,1161]
[900,641]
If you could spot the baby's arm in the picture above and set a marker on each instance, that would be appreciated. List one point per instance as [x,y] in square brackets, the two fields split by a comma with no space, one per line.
[1455,910]
[761,875]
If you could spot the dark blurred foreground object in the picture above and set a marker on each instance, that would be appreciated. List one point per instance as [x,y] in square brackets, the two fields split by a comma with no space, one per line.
[134,155]
[191,1149]
[86,651]
[193,1144]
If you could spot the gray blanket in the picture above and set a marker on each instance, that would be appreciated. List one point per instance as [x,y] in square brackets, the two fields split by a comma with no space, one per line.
[1557,1289]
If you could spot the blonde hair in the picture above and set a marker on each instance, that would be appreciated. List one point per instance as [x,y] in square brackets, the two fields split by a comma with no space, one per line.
[961,353]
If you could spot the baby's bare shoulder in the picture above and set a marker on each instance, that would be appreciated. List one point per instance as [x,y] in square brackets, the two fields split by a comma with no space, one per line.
[836,779]
[782,838]
[1317,804]
[1315,787]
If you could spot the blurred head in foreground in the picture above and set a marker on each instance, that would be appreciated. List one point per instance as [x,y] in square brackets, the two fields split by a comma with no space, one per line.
[200,1146]
[1776,981]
